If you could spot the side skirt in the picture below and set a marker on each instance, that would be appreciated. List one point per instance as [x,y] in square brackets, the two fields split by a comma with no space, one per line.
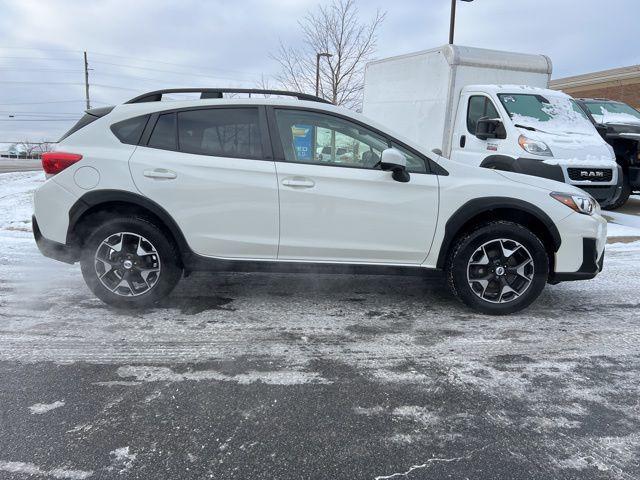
[193,262]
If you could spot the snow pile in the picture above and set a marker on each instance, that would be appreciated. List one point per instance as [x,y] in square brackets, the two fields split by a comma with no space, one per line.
[16,208]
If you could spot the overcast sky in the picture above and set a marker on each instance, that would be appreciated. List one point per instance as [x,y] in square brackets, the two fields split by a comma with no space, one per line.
[140,45]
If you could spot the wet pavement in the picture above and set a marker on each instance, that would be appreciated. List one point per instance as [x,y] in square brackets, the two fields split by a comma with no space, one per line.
[263,376]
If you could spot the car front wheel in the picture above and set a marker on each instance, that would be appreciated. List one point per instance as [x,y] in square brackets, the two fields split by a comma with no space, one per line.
[129,262]
[499,268]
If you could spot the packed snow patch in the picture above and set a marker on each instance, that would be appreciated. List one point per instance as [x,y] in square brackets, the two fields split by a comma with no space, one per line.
[33,470]
[121,459]
[166,374]
[40,408]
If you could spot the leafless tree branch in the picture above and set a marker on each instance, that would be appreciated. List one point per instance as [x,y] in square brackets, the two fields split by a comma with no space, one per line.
[334,29]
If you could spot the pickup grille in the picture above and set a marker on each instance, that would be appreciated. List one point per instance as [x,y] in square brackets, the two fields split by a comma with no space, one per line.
[593,174]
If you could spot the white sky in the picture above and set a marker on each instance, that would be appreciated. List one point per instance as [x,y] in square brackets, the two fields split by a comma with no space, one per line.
[228,44]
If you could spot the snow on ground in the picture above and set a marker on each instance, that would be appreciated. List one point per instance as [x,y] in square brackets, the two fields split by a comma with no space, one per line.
[272,372]
[40,408]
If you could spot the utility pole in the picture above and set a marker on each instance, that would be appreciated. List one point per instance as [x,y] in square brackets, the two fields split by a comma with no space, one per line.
[86,81]
[318,55]
[452,21]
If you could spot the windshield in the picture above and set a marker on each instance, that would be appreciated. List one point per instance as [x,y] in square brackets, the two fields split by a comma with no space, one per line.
[552,113]
[611,112]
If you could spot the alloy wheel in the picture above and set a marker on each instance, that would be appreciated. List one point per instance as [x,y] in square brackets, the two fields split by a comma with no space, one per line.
[127,264]
[500,271]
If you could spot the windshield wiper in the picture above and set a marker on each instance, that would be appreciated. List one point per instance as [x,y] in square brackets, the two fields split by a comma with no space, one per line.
[526,127]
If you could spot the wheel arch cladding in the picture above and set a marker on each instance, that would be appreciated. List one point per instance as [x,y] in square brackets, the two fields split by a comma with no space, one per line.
[120,202]
[478,211]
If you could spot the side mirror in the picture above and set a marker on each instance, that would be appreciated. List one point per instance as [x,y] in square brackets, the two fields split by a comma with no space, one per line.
[490,128]
[394,160]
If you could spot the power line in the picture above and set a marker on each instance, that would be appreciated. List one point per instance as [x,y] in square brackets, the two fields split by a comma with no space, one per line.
[173,64]
[189,74]
[31,114]
[39,119]
[49,102]
[21,69]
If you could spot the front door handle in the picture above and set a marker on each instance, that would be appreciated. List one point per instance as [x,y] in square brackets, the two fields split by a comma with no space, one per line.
[463,141]
[160,173]
[298,182]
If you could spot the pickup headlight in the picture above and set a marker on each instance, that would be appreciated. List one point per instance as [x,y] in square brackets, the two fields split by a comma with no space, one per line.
[578,203]
[536,147]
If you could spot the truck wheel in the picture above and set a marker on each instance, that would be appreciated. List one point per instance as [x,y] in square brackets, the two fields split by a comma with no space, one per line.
[624,196]
[498,268]
[129,262]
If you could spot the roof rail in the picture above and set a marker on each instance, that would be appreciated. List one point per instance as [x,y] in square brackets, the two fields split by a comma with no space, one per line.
[206,93]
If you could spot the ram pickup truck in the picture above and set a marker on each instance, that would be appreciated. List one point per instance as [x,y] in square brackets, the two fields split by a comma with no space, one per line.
[619,125]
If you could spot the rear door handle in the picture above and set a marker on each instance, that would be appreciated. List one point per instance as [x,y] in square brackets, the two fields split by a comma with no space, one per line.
[160,173]
[463,141]
[298,182]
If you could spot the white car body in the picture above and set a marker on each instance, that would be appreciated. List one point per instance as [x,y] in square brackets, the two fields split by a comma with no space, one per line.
[271,210]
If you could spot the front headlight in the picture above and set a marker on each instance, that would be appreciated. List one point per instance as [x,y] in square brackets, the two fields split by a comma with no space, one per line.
[534,146]
[578,203]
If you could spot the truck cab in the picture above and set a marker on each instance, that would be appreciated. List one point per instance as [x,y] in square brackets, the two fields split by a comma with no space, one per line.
[533,131]
[489,108]
[619,125]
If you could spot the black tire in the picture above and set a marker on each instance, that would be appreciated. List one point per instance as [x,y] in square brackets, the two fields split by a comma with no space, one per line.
[467,247]
[624,195]
[164,256]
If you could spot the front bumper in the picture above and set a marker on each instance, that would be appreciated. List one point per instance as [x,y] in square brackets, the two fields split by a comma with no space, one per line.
[634,177]
[605,192]
[51,249]
[592,264]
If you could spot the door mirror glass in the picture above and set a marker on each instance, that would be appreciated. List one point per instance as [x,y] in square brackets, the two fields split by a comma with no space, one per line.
[490,128]
[393,160]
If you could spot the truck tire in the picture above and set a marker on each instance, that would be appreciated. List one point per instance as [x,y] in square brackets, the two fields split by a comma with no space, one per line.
[129,262]
[624,196]
[498,268]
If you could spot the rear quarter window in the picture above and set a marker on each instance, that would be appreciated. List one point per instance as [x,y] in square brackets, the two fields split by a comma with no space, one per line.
[129,131]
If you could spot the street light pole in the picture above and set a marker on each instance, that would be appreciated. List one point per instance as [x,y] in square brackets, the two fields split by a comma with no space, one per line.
[318,55]
[452,21]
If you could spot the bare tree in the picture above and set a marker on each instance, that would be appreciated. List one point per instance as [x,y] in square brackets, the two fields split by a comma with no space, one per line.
[33,149]
[335,29]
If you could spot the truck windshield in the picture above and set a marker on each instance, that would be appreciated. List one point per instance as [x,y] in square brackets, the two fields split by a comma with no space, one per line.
[612,112]
[552,113]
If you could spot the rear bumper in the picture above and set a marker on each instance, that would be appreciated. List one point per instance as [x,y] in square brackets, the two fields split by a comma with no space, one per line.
[51,249]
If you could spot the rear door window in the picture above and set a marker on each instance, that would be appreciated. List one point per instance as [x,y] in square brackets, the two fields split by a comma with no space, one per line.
[221,132]
[164,132]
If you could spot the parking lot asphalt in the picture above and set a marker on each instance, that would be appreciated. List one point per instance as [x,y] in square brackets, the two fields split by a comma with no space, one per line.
[271,376]
[276,376]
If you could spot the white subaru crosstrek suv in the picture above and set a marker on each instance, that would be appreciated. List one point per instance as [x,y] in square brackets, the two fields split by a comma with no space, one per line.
[148,191]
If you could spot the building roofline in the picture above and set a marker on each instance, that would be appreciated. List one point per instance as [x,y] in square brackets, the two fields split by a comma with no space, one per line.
[603,76]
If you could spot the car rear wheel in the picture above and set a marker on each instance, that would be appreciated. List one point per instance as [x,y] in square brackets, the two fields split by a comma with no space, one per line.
[129,262]
[499,268]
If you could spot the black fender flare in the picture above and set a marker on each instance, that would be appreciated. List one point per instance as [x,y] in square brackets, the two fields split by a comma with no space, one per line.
[96,198]
[482,205]
[499,162]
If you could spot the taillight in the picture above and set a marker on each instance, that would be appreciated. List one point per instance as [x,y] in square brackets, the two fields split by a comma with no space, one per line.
[55,162]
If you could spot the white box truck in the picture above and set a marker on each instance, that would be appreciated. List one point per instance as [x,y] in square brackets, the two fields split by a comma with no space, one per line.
[491,109]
